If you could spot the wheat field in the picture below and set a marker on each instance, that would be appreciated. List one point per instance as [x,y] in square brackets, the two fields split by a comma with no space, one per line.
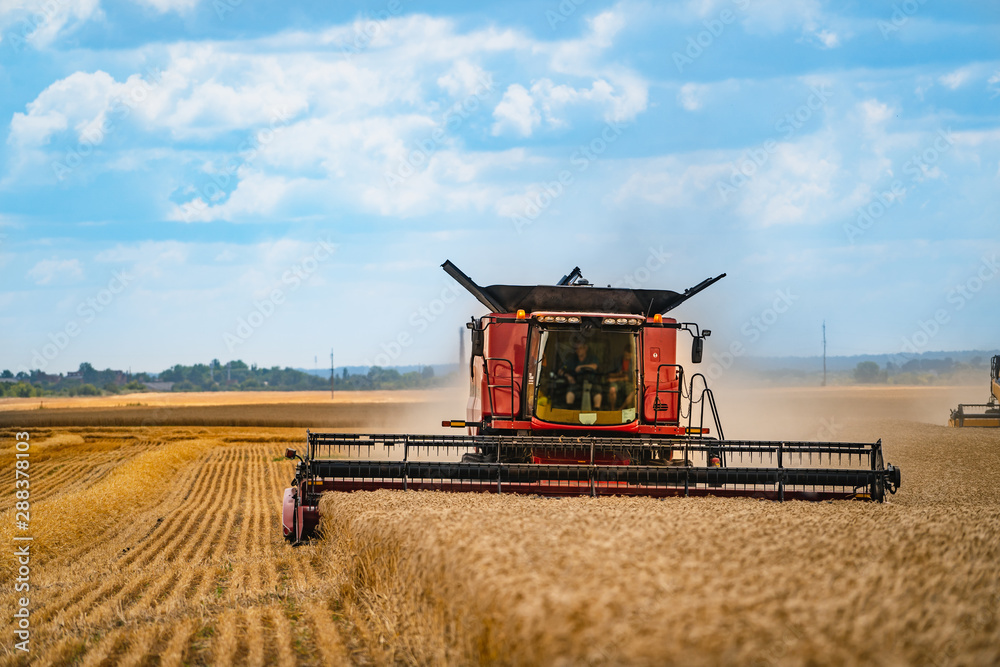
[161,545]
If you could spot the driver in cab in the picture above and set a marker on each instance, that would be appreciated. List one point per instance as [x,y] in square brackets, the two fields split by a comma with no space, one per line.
[581,366]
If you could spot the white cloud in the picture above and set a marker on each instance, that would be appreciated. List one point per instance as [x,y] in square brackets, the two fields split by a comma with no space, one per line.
[164,6]
[334,122]
[56,270]
[78,100]
[522,111]
[581,56]
[875,113]
[256,195]
[465,79]
[956,79]
[829,39]
[690,96]
[993,84]
[39,23]
[604,27]
[516,112]
[798,186]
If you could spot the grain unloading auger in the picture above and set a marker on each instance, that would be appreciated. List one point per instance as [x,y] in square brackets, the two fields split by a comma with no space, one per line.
[981,414]
[575,390]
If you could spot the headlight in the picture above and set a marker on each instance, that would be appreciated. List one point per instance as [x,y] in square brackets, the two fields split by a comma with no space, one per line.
[576,320]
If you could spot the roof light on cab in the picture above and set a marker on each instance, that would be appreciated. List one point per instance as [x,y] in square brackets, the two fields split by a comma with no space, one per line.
[521,314]
[657,319]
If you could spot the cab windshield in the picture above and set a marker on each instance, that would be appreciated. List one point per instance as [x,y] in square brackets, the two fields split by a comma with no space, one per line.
[585,378]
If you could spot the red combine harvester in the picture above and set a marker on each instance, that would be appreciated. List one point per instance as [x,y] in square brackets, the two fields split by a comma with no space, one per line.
[576,391]
[981,414]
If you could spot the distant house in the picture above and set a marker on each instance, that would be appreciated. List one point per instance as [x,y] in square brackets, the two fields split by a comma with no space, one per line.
[74,375]
[11,380]
[159,386]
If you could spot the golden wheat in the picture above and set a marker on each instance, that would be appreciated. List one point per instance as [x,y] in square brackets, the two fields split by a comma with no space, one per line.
[162,544]
[436,578]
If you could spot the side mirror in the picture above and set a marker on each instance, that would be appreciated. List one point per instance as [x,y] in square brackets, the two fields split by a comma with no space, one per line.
[290,454]
[697,350]
[478,342]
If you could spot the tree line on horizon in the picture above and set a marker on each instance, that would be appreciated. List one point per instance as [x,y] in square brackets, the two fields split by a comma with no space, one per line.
[214,376]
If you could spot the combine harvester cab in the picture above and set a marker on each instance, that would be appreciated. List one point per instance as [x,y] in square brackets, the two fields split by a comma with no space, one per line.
[985,415]
[575,390]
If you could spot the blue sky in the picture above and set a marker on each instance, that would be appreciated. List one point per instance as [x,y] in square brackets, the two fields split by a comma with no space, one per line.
[182,180]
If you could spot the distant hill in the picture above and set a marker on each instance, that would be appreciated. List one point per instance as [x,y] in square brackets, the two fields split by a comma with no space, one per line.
[440,370]
[849,363]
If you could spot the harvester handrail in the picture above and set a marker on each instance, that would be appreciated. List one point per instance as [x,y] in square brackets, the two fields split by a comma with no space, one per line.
[708,398]
[491,386]
[679,391]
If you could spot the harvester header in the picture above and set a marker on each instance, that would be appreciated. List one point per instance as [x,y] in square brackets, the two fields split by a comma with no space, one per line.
[577,390]
[984,415]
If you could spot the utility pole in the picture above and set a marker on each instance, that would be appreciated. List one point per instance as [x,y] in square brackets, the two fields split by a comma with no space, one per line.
[824,353]
[332,367]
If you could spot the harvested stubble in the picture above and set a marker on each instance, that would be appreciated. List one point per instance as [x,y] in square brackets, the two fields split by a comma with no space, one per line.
[171,557]
[77,517]
[432,578]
